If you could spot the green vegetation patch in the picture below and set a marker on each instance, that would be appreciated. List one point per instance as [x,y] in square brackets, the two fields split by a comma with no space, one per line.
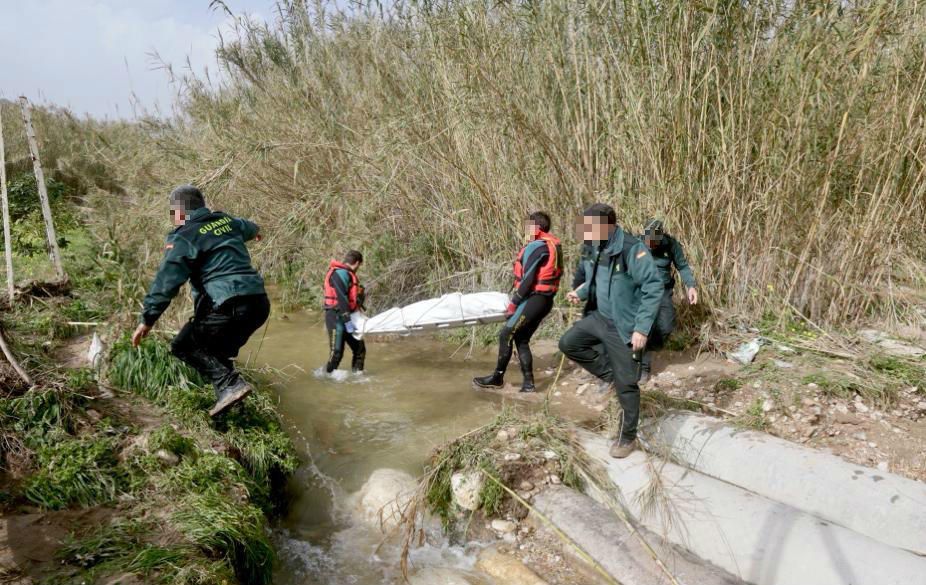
[167,438]
[479,450]
[75,472]
[754,417]
[124,546]
[233,530]
[150,370]
[899,370]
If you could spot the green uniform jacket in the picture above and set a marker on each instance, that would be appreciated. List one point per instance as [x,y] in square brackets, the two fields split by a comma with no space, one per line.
[634,285]
[670,254]
[208,251]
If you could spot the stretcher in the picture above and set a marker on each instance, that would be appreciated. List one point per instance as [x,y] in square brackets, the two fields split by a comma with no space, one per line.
[447,312]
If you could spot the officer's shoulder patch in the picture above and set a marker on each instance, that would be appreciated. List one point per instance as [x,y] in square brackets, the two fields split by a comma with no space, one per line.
[169,246]
[641,254]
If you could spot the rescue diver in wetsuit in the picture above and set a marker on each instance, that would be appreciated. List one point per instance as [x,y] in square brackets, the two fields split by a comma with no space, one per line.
[208,249]
[537,272]
[343,296]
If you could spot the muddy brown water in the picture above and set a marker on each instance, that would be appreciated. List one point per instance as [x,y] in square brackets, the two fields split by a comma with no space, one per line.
[412,397]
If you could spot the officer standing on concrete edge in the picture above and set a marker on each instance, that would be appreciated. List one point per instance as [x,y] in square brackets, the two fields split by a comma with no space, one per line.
[207,248]
[625,287]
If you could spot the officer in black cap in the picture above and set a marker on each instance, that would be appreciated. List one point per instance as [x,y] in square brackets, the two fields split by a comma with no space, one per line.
[669,257]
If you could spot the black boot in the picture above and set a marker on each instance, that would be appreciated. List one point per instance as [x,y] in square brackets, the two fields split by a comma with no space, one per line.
[644,373]
[494,380]
[528,384]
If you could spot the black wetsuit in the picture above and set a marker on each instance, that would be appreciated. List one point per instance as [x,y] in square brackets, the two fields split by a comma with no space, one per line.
[336,320]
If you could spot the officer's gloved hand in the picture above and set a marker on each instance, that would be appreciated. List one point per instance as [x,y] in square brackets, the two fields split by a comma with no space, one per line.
[349,327]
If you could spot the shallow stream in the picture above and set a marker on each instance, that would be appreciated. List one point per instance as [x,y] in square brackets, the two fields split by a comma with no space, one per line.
[413,397]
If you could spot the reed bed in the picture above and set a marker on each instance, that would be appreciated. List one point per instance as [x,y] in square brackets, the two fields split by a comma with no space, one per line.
[782,141]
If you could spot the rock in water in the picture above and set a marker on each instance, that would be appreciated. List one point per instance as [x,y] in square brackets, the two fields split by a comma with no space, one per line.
[466,488]
[384,497]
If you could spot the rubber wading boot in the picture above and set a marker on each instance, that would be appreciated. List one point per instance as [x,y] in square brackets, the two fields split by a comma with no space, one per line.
[528,384]
[622,448]
[494,380]
[231,395]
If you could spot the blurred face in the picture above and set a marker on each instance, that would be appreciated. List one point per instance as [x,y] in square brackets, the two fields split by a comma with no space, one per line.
[355,266]
[653,240]
[531,229]
[592,228]
[178,215]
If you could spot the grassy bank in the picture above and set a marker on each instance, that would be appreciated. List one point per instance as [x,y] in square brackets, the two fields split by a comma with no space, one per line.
[122,461]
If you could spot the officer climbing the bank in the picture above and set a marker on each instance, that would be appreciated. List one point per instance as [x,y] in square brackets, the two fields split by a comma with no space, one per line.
[668,254]
[343,296]
[625,287]
[207,248]
[538,268]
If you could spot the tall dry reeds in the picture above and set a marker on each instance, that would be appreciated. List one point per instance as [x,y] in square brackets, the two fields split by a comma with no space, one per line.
[784,142]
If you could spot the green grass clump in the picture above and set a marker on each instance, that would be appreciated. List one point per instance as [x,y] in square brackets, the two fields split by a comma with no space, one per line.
[38,410]
[230,529]
[75,471]
[754,417]
[836,386]
[679,341]
[123,547]
[80,380]
[150,370]
[727,385]
[903,371]
[166,437]
[208,473]
[492,495]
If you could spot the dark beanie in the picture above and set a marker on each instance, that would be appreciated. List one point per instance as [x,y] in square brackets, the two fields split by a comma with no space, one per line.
[188,196]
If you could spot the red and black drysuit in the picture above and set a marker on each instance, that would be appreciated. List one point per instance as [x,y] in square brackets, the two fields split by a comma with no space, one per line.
[343,296]
[537,269]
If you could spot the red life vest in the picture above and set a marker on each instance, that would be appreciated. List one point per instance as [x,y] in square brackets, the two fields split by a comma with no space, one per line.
[353,291]
[548,275]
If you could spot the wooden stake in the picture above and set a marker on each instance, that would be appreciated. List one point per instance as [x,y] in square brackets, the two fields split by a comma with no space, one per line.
[53,250]
[7,240]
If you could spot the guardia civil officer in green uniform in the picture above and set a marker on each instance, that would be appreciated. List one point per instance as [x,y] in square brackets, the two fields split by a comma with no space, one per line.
[622,293]
[669,257]
[207,248]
